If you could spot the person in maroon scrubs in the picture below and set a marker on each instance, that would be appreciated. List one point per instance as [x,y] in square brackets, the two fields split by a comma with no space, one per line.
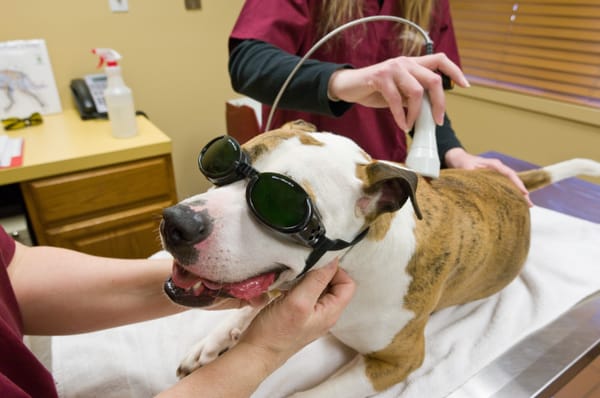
[360,84]
[53,291]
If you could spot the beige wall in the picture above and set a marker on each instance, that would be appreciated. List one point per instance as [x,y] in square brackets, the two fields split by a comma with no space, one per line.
[175,61]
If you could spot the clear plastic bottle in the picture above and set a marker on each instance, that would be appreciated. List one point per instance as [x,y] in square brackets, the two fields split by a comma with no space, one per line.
[118,97]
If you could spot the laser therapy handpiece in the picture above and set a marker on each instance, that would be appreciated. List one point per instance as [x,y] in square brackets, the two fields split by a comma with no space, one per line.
[422,155]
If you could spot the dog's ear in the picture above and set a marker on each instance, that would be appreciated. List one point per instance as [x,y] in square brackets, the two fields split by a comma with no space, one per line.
[390,185]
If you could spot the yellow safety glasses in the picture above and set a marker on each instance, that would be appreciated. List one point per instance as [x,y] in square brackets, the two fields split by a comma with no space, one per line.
[15,123]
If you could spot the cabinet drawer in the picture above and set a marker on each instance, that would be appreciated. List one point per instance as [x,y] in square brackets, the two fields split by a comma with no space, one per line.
[101,191]
[131,233]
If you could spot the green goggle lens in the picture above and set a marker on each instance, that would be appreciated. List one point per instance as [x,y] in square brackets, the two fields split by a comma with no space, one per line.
[220,157]
[279,202]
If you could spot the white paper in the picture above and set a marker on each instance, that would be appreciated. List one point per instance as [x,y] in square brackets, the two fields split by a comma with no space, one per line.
[27,82]
[9,148]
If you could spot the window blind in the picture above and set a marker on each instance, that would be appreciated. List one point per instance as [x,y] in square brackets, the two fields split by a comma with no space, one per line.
[549,48]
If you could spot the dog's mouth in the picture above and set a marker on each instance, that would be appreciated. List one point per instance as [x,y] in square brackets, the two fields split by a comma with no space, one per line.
[190,290]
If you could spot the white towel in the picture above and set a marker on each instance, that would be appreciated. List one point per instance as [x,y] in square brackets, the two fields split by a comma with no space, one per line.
[563,267]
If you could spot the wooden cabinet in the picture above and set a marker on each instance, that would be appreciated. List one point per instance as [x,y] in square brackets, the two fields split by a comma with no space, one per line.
[87,190]
[109,211]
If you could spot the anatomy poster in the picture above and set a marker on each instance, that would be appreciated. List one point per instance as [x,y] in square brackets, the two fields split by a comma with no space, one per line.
[26,80]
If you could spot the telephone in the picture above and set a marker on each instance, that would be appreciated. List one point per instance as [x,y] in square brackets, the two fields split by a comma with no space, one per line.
[88,96]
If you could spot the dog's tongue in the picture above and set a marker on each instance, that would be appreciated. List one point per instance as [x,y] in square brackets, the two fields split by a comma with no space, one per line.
[244,290]
[250,288]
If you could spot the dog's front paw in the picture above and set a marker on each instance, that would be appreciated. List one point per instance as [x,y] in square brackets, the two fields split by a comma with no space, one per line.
[207,350]
[222,338]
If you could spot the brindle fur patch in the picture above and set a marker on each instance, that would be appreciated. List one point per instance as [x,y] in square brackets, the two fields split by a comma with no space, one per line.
[535,179]
[299,124]
[472,242]
[266,142]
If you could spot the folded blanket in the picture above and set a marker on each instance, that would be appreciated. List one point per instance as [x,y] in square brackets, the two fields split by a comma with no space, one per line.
[563,267]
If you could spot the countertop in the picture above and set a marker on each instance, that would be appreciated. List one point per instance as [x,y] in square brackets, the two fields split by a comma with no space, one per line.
[64,143]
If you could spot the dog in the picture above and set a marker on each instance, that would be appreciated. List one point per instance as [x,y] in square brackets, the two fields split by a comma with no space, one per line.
[416,245]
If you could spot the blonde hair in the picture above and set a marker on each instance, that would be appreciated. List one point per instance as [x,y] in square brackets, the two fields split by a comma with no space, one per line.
[337,12]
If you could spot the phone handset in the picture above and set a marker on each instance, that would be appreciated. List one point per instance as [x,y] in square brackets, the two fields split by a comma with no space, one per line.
[88,96]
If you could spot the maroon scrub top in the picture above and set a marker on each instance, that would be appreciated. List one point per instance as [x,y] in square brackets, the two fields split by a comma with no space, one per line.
[21,374]
[289,26]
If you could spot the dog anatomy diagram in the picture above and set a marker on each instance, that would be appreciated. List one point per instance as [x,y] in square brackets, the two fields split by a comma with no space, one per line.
[13,80]
[26,80]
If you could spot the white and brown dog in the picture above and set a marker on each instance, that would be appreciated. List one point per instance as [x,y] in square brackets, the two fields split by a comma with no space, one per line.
[469,239]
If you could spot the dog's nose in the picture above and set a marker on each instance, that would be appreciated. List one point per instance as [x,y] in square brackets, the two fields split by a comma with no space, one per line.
[183,226]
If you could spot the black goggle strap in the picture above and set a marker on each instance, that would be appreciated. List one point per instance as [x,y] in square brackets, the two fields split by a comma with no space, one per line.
[244,169]
[324,245]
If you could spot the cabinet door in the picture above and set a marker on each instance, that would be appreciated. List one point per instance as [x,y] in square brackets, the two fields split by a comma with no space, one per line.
[131,233]
[110,211]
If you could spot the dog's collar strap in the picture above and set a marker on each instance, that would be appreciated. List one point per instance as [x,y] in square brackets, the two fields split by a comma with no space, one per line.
[325,244]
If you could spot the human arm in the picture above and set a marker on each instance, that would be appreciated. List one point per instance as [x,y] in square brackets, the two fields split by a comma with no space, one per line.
[62,291]
[258,70]
[279,331]
[93,299]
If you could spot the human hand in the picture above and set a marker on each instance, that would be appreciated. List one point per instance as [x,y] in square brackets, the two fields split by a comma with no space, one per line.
[398,83]
[283,327]
[461,159]
[301,315]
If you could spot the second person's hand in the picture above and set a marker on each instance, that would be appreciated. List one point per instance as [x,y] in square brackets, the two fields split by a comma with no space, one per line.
[461,159]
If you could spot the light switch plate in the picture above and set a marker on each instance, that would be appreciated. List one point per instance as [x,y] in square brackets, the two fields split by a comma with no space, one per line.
[118,5]
[193,4]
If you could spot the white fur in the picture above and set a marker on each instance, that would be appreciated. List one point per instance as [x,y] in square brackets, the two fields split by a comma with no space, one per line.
[573,167]
[385,285]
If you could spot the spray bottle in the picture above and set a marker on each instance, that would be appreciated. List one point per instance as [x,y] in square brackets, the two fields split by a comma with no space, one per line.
[118,97]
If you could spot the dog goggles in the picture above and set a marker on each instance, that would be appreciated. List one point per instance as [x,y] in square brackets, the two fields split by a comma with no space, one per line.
[276,200]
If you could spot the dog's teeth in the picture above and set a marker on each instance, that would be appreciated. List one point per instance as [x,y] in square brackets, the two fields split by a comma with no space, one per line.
[197,288]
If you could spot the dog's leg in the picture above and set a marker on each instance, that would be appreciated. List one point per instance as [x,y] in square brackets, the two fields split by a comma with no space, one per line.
[222,338]
[376,371]
[35,97]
